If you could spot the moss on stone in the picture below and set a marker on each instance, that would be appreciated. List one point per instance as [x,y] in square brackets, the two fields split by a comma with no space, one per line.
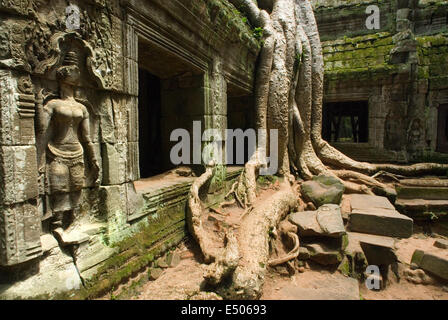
[362,57]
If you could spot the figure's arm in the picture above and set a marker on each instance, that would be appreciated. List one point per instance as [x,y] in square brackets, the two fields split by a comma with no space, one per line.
[43,119]
[85,138]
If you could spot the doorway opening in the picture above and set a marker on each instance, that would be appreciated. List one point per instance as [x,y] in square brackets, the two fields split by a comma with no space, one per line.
[171,96]
[149,115]
[346,122]
[240,115]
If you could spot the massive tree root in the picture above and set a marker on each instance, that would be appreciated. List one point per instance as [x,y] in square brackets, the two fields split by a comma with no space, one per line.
[246,281]
[288,98]
[289,93]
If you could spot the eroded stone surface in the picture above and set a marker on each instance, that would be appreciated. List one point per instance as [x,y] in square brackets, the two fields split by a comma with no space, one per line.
[376,215]
[435,262]
[441,243]
[57,274]
[324,253]
[323,190]
[326,221]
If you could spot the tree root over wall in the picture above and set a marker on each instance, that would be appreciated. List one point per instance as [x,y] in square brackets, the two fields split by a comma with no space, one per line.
[288,98]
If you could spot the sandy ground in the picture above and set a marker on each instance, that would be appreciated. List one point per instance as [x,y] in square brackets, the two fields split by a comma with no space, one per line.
[185,281]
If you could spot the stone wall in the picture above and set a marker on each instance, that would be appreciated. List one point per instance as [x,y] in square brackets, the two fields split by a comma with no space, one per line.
[399,69]
[68,202]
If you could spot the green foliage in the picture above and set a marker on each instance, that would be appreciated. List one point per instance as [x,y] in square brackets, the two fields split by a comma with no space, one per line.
[432,215]
[258,33]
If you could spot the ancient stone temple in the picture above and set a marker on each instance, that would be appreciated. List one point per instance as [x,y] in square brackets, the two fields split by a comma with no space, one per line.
[386,88]
[91,91]
[89,96]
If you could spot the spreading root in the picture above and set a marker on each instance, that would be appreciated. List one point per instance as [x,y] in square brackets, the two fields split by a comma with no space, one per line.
[236,269]
[288,98]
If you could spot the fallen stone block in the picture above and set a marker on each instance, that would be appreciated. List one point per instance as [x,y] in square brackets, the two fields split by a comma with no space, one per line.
[367,202]
[324,254]
[422,192]
[323,190]
[432,262]
[376,215]
[155,273]
[330,220]
[380,252]
[388,223]
[306,222]
[366,249]
[173,259]
[421,209]
[326,221]
[441,243]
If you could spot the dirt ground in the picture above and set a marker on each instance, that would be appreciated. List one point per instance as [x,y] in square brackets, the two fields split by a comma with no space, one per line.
[314,282]
[185,281]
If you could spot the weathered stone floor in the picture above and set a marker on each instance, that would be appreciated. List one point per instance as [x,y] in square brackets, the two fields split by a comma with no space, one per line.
[184,281]
[416,260]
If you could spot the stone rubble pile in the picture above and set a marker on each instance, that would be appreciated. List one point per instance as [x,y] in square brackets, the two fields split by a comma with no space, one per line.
[363,233]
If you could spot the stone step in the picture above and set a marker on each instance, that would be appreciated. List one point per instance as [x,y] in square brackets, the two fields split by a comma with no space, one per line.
[425,182]
[422,192]
[376,215]
[422,209]
[365,152]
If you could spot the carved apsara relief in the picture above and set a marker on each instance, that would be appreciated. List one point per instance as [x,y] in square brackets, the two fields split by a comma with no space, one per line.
[64,142]
[95,30]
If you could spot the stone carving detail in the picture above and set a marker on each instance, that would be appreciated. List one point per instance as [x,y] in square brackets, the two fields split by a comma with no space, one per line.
[63,138]
[415,137]
[5,51]
[20,224]
[44,36]
[20,230]
[26,105]
[18,6]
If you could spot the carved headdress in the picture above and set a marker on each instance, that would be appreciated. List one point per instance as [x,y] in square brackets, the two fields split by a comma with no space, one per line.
[69,72]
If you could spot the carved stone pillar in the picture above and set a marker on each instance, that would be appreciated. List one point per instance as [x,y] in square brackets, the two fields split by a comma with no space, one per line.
[215,116]
[20,223]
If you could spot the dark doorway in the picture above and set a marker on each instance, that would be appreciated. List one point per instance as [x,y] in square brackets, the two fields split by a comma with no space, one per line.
[240,116]
[149,115]
[346,121]
[442,129]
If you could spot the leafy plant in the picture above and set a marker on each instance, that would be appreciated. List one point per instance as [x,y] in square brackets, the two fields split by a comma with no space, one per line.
[258,33]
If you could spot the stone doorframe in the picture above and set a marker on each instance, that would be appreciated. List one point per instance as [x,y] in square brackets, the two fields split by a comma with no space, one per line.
[139,27]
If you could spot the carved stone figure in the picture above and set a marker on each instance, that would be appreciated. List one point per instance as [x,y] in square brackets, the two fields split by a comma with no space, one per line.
[415,137]
[64,124]
[4,44]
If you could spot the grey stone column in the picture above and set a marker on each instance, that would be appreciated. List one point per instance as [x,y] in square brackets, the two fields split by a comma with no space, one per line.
[216,115]
[20,221]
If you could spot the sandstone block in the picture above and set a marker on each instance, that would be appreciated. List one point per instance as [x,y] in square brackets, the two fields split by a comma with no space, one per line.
[323,190]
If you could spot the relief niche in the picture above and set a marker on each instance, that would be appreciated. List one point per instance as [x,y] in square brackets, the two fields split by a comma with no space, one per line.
[66,152]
